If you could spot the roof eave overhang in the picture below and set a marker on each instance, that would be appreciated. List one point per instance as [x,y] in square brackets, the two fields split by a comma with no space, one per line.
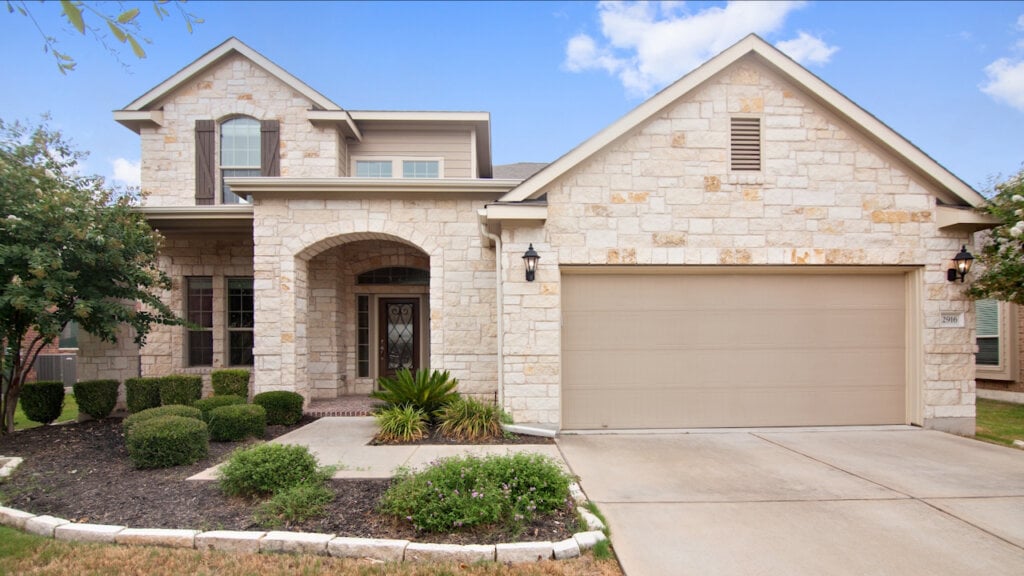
[230,219]
[492,216]
[257,186]
[963,219]
[340,118]
[136,120]
[949,188]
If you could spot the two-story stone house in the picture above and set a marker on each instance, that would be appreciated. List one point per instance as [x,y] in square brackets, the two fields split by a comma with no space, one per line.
[746,248]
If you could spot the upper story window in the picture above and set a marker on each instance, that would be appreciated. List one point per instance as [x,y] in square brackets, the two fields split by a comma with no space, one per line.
[239,154]
[236,147]
[398,167]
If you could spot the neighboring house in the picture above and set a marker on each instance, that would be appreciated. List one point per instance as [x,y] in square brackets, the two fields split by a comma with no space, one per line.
[1000,337]
[746,248]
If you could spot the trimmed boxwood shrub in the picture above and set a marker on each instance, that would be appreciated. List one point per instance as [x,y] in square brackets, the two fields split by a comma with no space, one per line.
[282,406]
[267,469]
[237,421]
[230,382]
[142,393]
[159,412]
[96,397]
[167,441]
[180,389]
[42,401]
[206,405]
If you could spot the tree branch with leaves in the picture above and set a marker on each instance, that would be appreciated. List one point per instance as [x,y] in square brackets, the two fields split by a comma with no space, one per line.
[71,249]
[1002,255]
[124,26]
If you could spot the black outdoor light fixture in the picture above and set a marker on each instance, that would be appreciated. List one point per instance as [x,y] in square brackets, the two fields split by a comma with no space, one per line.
[530,259]
[961,265]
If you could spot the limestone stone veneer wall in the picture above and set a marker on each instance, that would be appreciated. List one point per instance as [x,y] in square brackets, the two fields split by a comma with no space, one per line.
[664,194]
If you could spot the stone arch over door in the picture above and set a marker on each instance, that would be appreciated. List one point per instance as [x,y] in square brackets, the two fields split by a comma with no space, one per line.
[336,319]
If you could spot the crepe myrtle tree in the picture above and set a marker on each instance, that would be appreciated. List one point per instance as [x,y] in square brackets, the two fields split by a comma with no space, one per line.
[70,250]
[1002,254]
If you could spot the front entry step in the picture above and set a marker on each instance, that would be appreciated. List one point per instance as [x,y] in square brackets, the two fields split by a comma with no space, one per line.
[340,406]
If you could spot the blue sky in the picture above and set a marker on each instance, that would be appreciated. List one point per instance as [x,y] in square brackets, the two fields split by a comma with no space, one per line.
[948,76]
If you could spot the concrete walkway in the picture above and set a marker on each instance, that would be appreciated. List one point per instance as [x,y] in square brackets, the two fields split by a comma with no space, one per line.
[344,442]
[806,502]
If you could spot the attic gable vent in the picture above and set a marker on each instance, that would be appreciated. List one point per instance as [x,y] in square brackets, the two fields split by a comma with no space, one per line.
[745,144]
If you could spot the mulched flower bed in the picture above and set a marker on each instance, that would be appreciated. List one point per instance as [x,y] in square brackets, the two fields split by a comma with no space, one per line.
[81,472]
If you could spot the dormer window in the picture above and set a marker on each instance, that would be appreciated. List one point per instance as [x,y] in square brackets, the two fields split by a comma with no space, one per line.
[239,154]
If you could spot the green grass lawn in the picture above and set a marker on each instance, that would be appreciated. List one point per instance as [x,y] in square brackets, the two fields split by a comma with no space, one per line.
[70,412]
[999,422]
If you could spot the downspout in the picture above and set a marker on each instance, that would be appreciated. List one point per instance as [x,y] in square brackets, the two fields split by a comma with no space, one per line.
[500,309]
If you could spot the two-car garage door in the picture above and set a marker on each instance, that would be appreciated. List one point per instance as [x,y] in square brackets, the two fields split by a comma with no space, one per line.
[670,350]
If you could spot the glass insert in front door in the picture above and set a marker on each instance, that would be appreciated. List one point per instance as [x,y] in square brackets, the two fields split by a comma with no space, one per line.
[399,335]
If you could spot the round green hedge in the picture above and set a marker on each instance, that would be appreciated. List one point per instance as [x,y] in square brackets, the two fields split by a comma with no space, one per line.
[142,393]
[232,381]
[207,405]
[283,407]
[158,412]
[268,469]
[167,441]
[96,398]
[42,401]
[237,421]
[180,389]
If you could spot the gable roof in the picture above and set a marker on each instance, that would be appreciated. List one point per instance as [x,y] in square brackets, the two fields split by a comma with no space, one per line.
[957,191]
[143,110]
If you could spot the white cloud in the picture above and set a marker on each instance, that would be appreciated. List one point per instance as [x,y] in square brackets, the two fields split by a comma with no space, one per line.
[1020,22]
[807,49]
[649,45]
[1006,82]
[127,172]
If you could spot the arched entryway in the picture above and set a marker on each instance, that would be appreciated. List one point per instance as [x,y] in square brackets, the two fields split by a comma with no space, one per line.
[366,315]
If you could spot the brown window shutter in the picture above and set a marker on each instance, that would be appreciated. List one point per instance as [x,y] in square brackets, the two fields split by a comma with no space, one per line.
[270,148]
[206,162]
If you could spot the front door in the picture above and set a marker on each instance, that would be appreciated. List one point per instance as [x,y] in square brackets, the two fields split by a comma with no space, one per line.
[399,335]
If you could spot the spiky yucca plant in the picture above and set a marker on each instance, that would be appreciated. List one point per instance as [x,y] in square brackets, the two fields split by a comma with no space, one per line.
[427,391]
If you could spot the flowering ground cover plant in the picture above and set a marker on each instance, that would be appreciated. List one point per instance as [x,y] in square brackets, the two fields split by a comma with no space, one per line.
[464,492]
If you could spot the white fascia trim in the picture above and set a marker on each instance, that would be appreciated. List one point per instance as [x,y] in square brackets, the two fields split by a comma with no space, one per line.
[414,116]
[963,219]
[230,45]
[214,212]
[884,136]
[256,185]
[516,212]
[134,120]
[340,117]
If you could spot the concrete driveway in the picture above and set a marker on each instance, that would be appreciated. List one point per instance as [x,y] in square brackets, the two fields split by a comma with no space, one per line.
[896,501]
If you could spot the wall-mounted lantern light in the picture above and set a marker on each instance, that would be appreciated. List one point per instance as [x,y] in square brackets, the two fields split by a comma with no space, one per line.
[530,259]
[961,265]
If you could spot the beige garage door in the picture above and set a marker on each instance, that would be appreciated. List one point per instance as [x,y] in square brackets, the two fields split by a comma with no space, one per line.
[732,350]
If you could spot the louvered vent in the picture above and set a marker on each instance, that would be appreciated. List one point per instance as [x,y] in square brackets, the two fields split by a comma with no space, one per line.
[746,144]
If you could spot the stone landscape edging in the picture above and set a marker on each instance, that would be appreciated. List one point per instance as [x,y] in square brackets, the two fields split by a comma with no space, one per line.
[313,543]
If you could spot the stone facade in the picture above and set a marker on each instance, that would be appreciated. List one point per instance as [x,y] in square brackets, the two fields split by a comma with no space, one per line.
[664,195]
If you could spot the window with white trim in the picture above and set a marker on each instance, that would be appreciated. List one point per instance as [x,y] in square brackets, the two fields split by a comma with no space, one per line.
[995,324]
[239,154]
[382,167]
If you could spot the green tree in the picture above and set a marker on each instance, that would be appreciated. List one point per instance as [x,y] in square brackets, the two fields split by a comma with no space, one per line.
[1001,260]
[70,249]
[123,25]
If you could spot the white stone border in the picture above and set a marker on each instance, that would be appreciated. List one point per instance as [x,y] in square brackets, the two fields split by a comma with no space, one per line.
[9,464]
[312,543]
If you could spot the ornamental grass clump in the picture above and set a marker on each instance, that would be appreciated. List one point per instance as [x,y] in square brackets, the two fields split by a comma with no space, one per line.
[457,493]
[472,420]
[400,424]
